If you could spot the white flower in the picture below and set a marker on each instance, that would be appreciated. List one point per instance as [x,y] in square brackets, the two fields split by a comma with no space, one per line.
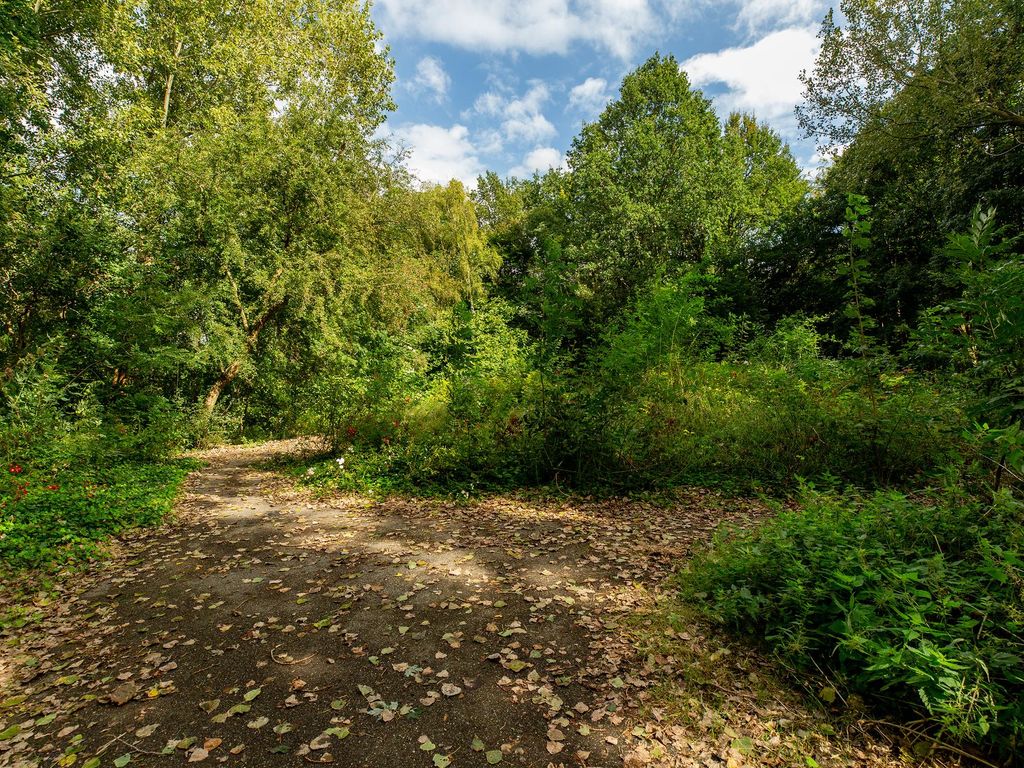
[341,462]
[310,472]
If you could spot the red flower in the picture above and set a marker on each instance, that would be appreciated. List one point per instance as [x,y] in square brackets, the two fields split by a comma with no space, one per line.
[16,469]
[351,432]
[53,487]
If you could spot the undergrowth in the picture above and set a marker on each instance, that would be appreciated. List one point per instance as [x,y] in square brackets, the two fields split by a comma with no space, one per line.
[915,603]
[52,520]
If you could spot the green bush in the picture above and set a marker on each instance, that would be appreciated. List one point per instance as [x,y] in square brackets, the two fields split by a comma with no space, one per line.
[671,397]
[917,603]
[76,469]
[461,408]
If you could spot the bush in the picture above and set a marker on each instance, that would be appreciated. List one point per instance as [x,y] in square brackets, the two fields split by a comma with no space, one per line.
[462,408]
[918,603]
[687,410]
[76,470]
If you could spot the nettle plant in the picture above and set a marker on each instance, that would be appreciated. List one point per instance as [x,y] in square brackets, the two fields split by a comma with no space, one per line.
[982,332]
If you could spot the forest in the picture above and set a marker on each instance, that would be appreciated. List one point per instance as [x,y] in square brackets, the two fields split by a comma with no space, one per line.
[207,240]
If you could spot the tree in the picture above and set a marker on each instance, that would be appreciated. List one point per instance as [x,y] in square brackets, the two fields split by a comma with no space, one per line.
[958,66]
[259,161]
[924,100]
[766,182]
[644,186]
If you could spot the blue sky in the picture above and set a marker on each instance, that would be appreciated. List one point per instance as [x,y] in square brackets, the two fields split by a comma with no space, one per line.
[504,85]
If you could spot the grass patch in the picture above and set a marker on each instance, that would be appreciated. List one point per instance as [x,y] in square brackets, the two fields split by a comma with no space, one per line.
[50,520]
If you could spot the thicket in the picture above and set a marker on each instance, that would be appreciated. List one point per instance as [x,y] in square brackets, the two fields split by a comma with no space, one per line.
[203,238]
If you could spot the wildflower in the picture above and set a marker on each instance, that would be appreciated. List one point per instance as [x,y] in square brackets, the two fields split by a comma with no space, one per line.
[16,469]
[53,487]
[310,472]
[340,462]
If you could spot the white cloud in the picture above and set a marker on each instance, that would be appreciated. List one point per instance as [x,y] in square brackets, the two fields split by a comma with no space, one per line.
[762,78]
[431,77]
[538,160]
[760,15]
[522,119]
[439,154]
[590,96]
[533,26]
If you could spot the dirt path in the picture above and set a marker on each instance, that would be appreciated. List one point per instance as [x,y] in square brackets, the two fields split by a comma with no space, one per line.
[264,628]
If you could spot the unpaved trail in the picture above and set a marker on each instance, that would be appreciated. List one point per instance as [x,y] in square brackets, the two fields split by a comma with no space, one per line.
[266,628]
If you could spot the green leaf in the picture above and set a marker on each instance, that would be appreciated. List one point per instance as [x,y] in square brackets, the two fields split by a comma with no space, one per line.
[493,756]
[123,760]
[744,745]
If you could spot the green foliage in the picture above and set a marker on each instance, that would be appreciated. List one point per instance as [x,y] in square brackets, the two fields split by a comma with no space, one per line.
[924,98]
[75,470]
[461,408]
[769,413]
[914,602]
[981,331]
[979,336]
[51,518]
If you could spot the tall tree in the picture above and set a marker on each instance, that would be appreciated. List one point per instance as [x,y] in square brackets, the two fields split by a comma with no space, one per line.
[958,65]
[643,186]
[259,161]
[924,100]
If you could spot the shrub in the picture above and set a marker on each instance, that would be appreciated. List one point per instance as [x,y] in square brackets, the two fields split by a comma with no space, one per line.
[462,408]
[76,470]
[918,603]
[766,415]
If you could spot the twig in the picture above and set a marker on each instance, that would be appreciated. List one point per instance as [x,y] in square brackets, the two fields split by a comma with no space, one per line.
[934,741]
[288,663]
[104,748]
[138,748]
[235,611]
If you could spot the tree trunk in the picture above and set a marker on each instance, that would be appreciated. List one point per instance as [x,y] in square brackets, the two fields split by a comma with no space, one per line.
[167,90]
[220,385]
[231,372]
